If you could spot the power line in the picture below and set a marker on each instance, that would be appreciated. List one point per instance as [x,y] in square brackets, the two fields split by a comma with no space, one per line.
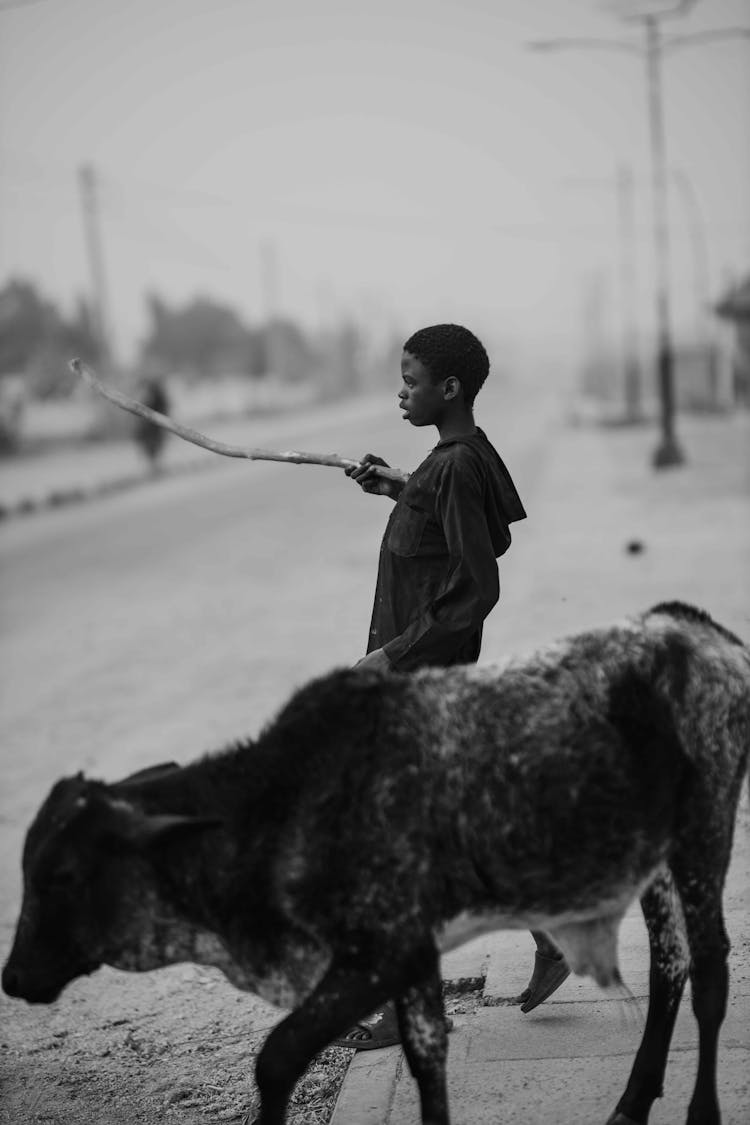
[6,5]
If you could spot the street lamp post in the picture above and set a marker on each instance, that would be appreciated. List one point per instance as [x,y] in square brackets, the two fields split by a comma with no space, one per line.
[668,451]
[88,182]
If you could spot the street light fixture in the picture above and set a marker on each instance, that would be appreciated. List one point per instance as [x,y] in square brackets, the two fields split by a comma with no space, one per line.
[640,9]
[650,14]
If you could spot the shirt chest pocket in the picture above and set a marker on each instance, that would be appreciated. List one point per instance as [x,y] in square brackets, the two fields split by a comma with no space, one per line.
[413,530]
[405,529]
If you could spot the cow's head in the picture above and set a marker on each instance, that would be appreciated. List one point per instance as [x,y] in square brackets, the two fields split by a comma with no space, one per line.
[86,870]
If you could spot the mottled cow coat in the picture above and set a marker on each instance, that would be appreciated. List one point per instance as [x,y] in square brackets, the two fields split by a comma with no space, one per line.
[383,818]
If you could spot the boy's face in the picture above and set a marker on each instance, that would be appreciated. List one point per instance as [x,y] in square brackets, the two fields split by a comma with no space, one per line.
[421,399]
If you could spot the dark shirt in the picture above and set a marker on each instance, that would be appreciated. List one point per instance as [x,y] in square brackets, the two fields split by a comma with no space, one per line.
[437,578]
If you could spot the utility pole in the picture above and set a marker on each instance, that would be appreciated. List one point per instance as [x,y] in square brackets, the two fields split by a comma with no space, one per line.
[626,268]
[649,13]
[269,288]
[626,232]
[87,180]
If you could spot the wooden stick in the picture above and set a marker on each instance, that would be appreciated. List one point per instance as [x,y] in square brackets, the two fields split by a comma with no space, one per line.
[188,434]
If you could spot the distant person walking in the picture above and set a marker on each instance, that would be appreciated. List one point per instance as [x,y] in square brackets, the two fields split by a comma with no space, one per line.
[438,577]
[148,436]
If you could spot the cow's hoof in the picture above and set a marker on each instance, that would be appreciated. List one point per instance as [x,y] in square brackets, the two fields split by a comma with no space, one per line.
[619,1118]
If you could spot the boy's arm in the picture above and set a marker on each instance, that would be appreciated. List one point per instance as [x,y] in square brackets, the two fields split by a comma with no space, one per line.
[375,661]
[369,481]
[471,588]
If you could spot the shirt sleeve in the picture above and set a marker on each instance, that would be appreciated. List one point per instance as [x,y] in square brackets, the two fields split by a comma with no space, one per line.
[471,587]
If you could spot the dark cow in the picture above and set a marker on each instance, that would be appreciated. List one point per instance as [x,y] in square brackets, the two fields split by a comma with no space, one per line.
[381,819]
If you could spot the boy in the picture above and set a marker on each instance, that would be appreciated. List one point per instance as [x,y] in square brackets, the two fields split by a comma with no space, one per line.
[437,576]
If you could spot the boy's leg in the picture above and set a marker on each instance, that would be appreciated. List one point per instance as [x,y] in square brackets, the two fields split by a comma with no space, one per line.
[550,970]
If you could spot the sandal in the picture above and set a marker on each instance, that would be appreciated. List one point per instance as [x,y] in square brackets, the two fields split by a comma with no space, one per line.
[548,975]
[378,1030]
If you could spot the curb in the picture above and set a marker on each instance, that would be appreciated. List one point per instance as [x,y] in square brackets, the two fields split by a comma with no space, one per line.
[77,494]
[368,1087]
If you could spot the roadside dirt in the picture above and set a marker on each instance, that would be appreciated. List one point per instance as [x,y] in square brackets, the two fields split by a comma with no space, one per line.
[178,1044]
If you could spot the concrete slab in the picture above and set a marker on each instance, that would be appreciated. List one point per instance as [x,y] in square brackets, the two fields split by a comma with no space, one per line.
[466,963]
[570,1065]
[570,1091]
[583,1030]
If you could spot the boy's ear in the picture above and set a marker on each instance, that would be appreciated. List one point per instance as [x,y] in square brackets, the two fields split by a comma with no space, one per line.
[452,387]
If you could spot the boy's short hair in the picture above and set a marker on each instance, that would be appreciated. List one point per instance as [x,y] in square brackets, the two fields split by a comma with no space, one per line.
[450,350]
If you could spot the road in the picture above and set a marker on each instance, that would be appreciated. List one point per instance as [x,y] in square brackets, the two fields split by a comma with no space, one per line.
[166,621]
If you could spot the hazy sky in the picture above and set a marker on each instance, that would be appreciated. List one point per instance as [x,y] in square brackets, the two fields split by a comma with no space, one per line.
[403,160]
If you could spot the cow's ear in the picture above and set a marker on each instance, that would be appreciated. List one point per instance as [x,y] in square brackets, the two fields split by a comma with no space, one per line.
[147,774]
[131,826]
[159,827]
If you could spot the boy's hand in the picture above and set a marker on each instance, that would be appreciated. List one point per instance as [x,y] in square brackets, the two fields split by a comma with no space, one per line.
[375,661]
[369,481]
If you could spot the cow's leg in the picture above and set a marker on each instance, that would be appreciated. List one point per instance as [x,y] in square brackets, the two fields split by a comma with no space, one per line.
[667,975]
[346,993]
[421,1020]
[700,883]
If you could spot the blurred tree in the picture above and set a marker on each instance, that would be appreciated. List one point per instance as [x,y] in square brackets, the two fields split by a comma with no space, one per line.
[27,323]
[203,337]
[80,333]
[343,359]
[255,361]
[287,351]
[36,341]
[352,348]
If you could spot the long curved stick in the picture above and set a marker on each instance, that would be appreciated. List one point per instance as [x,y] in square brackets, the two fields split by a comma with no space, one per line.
[188,434]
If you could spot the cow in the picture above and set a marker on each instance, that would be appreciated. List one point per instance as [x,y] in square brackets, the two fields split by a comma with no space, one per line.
[383,818]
